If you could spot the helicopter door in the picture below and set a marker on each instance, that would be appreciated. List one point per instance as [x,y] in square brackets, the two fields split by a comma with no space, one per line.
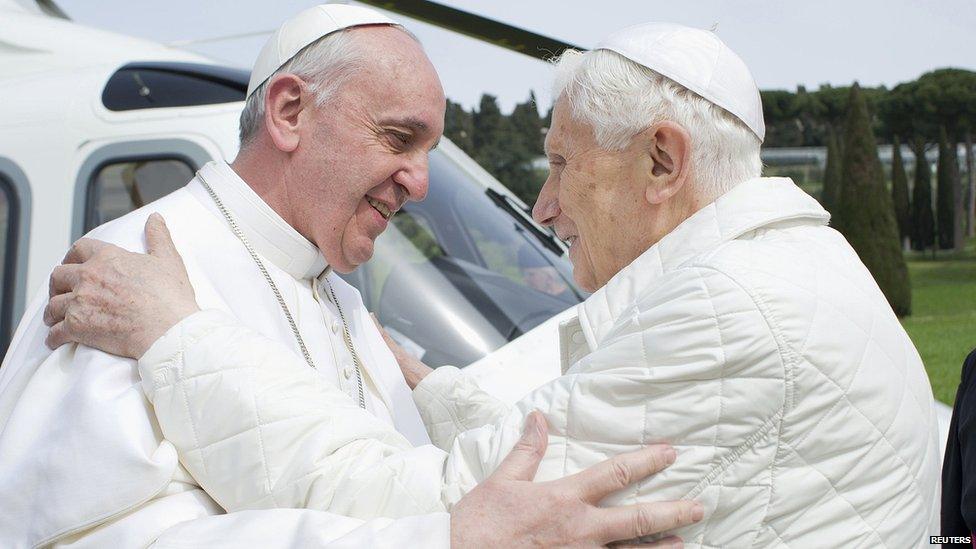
[10,244]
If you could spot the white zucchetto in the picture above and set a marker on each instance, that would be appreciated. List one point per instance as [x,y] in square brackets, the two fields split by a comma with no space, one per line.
[303,29]
[697,60]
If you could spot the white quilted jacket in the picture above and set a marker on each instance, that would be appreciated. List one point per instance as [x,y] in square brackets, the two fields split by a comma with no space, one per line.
[751,338]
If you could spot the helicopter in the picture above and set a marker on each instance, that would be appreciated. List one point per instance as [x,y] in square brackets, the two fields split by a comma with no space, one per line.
[95,124]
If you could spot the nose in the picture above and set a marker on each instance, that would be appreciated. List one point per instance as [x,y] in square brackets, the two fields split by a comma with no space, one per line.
[546,208]
[414,177]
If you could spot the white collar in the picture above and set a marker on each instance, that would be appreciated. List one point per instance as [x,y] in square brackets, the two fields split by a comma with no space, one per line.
[269,234]
[749,206]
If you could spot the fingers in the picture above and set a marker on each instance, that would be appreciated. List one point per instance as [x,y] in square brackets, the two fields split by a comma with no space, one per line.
[158,240]
[523,461]
[57,336]
[670,542]
[620,471]
[645,519]
[63,279]
[57,308]
[82,250]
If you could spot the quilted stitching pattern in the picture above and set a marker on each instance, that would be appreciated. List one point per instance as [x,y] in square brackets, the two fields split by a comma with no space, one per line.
[799,407]
[259,429]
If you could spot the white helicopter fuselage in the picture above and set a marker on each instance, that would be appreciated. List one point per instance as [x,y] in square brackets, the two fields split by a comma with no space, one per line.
[56,134]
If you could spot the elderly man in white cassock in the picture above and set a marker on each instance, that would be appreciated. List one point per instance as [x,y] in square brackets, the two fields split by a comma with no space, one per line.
[342,109]
[727,319]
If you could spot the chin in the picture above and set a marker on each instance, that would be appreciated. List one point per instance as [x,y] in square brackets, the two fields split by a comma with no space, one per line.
[354,258]
[584,280]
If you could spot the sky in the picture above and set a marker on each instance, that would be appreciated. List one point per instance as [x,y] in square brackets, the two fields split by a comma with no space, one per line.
[784,42]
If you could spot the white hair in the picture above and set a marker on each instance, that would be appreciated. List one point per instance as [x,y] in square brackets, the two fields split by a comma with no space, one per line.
[619,98]
[325,65]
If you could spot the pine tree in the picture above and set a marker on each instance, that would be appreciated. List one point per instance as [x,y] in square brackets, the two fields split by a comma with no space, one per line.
[923,222]
[832,174]
[947,174]
[899,192]
[866,212]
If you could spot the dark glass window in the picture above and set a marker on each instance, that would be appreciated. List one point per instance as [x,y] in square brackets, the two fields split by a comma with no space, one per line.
[9,219]
[120,187]
[455,277]
[157,85]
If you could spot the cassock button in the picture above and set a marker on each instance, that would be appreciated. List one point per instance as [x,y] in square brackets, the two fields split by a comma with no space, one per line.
[579,338]
[335,326]
[347,371]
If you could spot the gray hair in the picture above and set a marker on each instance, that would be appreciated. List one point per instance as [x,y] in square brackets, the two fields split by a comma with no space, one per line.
[619,98]
[325,65]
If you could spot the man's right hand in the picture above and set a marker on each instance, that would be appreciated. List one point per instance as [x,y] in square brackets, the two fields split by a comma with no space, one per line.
[117,301]
[509,510]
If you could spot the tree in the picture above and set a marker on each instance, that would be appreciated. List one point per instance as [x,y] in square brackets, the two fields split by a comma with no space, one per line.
[950,94]
[829,198]
[491,130]
[500,149]
[782,116]
[899,193]
[459,127]
[947,180]
[528,126]
[866,212]
[923,222]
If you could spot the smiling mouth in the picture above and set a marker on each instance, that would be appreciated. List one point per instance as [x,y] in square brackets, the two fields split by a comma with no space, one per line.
[380,207]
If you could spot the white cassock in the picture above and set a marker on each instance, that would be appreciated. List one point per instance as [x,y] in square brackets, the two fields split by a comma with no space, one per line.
[82,459]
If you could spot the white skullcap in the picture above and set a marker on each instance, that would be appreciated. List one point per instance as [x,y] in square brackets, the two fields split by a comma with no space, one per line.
[305,28]
[697,60]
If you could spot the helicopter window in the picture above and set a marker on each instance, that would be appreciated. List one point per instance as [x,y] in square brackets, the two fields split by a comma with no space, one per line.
[120,187]
[455,277]
[8,242]
[507,248]
[157,85]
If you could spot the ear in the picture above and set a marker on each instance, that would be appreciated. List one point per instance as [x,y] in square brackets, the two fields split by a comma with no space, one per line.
[670,152]
[284,101]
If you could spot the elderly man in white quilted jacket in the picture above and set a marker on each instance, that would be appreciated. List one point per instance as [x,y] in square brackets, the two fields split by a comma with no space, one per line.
[728,319]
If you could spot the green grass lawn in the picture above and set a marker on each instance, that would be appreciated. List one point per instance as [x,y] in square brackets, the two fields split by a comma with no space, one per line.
[943,321]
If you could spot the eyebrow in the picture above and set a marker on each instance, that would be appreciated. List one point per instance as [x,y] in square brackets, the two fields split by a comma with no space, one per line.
[413,123]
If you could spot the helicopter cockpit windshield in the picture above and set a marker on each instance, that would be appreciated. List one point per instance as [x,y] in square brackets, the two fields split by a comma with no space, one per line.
[464,272]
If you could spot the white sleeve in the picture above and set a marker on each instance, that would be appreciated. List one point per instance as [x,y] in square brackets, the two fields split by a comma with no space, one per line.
[306,529]
[258,429]
[451,403]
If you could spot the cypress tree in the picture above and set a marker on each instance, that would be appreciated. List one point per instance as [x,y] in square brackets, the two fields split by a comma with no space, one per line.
[899,192]
[923,222]
[832,174]
[867,217]
[945,204]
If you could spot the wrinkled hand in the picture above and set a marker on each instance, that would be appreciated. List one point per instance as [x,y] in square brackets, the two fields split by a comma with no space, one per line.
[117,301]
[509,510]
[412,368]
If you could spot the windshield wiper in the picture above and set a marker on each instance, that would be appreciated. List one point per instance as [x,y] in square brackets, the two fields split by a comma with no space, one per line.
[506,203]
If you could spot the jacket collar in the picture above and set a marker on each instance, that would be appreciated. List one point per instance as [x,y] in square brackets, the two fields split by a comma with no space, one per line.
[749,206]
[270,236]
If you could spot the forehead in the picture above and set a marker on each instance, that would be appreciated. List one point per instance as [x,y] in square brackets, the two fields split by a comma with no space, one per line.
[565,130]
[397,78]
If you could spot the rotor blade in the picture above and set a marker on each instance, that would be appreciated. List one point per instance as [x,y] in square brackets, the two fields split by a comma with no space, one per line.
[476,26]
